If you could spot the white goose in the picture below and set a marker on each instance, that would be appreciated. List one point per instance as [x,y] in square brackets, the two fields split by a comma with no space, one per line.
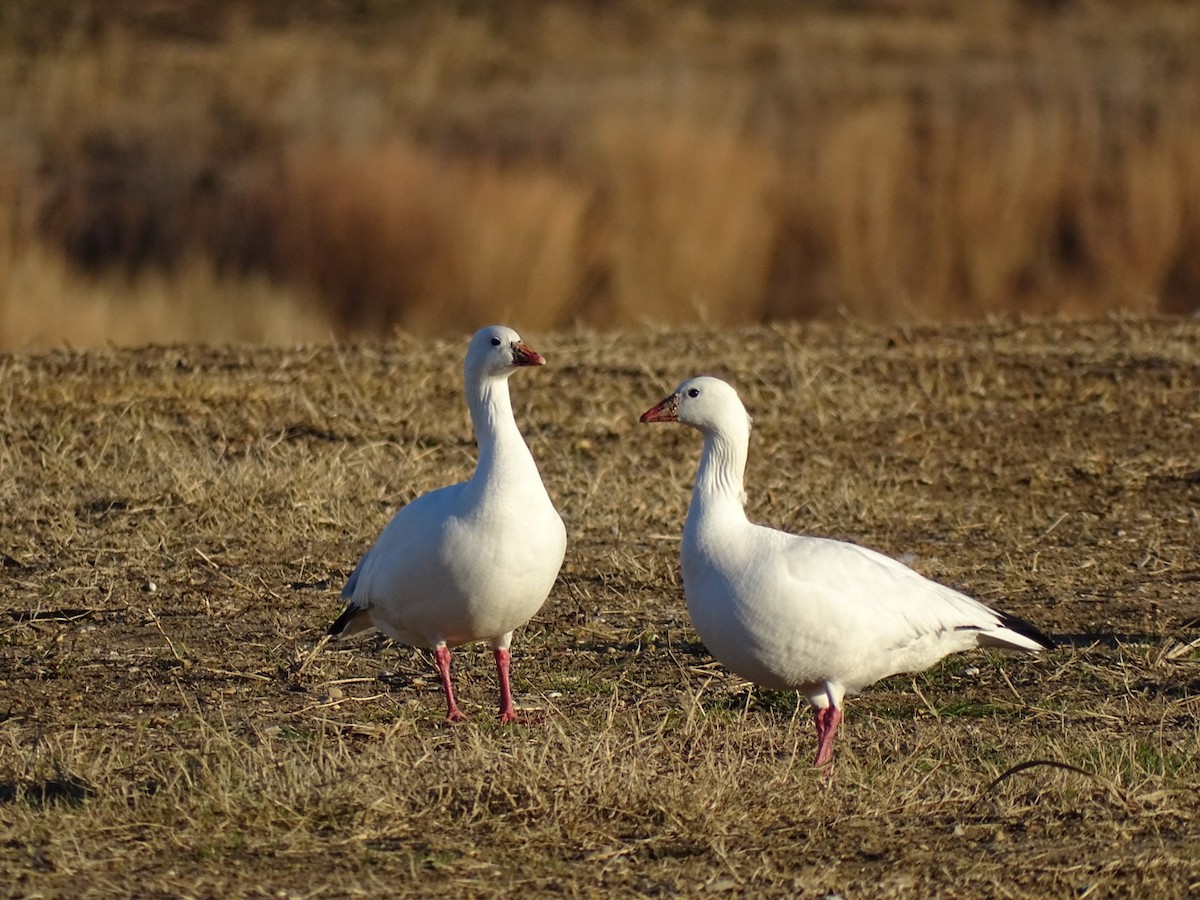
[818,616]
[470,561]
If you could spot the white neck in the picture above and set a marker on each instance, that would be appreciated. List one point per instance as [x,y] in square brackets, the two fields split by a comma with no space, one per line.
[720,478]
[501,446]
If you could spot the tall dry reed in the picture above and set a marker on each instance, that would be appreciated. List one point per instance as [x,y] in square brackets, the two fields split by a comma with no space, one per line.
[619,166]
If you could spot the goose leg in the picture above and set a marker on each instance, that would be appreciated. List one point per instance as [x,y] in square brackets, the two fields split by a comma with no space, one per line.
[453,713]
[827,718]
[507,712]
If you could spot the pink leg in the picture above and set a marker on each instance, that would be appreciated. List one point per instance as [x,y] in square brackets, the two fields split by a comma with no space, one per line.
[507,713]
[453,713]
[827,723]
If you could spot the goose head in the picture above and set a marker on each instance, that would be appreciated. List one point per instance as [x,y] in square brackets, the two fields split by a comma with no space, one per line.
[705,403]
[498,351]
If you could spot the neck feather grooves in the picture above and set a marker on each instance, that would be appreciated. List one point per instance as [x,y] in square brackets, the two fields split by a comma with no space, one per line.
[496,430]
[722,465]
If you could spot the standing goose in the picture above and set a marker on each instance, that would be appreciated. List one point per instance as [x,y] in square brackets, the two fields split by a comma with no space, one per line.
[818,616]
[471,561]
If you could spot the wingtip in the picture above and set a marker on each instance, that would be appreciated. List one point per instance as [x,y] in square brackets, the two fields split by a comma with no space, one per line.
[1028,630]
[344,624]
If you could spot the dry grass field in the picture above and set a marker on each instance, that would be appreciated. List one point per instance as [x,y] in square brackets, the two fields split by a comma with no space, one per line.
[348,168]
[177,523]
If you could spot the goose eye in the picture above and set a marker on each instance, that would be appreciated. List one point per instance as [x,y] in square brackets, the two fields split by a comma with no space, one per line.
[694,392]
[495,342]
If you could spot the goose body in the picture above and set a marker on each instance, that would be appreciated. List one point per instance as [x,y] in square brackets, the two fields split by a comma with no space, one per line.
[818,616]
[470,561]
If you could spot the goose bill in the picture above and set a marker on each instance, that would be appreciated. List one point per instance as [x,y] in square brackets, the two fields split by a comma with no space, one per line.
[524,356]
[665,411]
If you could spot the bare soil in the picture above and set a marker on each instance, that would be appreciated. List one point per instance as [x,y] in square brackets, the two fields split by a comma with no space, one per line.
[177,523]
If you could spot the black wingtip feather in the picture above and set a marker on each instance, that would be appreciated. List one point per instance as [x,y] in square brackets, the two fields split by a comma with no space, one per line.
[1020,626]
[343,621]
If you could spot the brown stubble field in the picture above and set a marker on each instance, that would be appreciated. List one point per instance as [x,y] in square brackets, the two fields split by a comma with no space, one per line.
[177,523]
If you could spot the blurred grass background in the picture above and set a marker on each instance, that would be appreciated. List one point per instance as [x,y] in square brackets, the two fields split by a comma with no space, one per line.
[203,170]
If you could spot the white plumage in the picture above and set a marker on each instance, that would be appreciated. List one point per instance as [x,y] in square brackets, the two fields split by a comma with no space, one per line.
[471,561]
[819,616]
